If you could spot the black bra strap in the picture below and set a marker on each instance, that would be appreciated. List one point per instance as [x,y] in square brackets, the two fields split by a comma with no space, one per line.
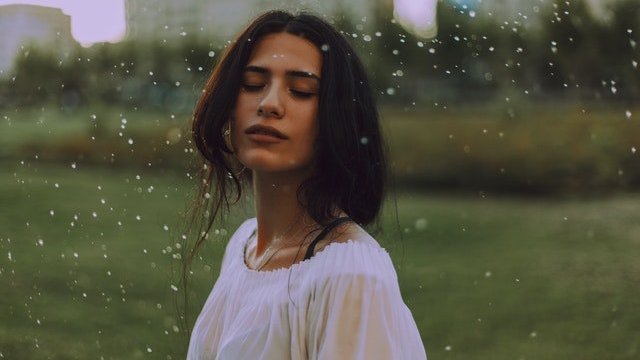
[324,233]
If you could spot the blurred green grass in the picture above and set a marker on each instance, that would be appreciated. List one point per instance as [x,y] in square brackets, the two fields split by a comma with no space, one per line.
[551,148]
[555,148]
[486,277]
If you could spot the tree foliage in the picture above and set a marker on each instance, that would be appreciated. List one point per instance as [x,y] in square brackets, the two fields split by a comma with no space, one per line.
[564,52]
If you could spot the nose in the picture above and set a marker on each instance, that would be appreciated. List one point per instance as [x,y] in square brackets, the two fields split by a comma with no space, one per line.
[271,105]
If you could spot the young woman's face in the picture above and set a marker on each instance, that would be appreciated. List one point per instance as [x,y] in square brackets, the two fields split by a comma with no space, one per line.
[280,89]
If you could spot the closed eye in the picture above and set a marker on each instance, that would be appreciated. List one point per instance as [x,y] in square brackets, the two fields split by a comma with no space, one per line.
[301,94]
[252,87]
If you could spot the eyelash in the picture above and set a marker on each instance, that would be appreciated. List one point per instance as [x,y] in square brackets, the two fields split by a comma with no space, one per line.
[296,93]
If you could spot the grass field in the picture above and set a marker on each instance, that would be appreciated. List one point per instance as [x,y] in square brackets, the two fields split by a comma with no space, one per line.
[86,257]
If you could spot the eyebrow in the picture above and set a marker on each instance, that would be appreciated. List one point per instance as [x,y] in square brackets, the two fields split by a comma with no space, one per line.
[290,73]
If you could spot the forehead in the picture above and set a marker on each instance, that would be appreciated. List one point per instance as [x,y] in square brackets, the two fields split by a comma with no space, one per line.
[284,51]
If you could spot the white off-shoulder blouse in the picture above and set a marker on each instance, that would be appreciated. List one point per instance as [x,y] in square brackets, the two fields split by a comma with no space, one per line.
[342,303]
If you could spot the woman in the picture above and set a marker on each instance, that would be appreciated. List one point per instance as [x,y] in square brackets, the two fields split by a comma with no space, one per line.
[288,111]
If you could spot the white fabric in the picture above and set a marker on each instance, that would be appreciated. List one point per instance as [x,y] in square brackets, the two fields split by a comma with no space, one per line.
[342,303]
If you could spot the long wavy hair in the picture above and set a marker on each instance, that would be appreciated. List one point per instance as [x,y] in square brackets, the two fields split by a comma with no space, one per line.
[351,168]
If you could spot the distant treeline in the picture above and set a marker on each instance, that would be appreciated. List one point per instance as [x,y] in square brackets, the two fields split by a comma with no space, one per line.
[565,51]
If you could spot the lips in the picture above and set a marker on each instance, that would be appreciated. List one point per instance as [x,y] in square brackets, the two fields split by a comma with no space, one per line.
[265,130]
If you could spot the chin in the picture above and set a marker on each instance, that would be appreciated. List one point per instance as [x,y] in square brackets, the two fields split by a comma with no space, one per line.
[274,163]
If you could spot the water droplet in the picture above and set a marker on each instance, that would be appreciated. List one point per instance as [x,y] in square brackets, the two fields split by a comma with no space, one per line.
[627,114]
[324,47]
[364,140]
[212,53]
[51,212]
[366,38]
[174,288]
[421,224]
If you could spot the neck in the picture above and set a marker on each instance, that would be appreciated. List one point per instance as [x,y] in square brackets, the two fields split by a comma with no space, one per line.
[278,212]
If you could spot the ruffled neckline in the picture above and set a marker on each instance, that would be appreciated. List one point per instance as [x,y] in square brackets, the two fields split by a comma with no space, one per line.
[326,251]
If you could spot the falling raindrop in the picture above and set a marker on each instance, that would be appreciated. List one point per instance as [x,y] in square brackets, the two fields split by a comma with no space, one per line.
[421,224]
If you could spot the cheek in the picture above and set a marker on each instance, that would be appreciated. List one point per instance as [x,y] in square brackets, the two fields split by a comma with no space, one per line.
[241,113]
[308,137]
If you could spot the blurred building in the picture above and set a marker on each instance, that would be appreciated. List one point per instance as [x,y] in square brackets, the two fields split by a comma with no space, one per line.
[21,25]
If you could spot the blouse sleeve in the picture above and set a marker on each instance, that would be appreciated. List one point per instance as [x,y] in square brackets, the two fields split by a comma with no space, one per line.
[357,316]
